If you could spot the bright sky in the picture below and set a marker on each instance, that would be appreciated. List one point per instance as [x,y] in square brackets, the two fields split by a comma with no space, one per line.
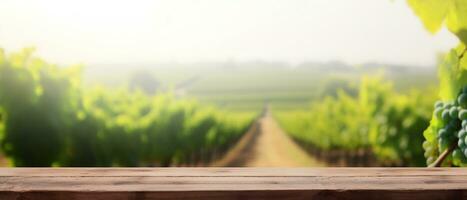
[145,31]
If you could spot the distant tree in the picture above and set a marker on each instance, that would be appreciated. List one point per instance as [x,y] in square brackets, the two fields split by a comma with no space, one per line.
[332,86]
[145,81]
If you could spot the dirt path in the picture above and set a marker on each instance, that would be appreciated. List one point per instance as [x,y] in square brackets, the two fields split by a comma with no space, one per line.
[266,145]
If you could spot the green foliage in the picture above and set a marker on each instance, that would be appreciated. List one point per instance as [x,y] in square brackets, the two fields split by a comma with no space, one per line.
[37,100]
[396,127]
[447,124]
[434,12]
[378,118]
[451,73]
[49,120]
[2,126]
[333,85]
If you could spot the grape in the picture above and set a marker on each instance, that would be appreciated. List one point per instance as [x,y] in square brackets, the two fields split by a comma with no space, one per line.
[439,104]
[461,134]
[462,114]
[427,154]
[453,112]
[451,130]
[464,158]
[446,117]
[438,112]
[430,160]
[457,154]
[447,106]
[461,157]
[462,100]
[430,150]
[452,126]
[426,144]
[443,143]
[442,133]
[460,143]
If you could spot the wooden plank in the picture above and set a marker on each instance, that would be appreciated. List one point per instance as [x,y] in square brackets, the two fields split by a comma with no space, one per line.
[234,171]
[240,195]
[233,183]
[228,183]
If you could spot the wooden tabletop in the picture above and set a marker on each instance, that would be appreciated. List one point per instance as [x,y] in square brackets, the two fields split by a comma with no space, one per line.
[233,183]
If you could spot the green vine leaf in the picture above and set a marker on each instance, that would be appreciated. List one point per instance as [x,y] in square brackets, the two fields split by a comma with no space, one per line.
[457,19]
[433,13]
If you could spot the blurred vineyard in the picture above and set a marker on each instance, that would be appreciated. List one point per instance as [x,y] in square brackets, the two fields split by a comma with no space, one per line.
[47,119]
[377,122]
[368,125]
[362,115]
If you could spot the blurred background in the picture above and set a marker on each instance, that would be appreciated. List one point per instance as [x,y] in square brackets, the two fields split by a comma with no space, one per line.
[216,83]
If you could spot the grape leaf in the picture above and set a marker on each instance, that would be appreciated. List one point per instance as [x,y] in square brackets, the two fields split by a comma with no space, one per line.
[431,12]
[461,52]
[446,73]
[430,132]
[452,74]
[457,19]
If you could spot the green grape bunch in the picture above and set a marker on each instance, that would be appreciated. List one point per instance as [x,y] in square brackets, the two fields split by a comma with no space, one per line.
[453,131]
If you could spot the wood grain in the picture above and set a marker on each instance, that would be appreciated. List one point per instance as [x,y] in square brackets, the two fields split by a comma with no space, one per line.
[233,183]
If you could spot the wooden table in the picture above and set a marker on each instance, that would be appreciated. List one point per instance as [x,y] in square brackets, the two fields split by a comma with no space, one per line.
[232,183]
